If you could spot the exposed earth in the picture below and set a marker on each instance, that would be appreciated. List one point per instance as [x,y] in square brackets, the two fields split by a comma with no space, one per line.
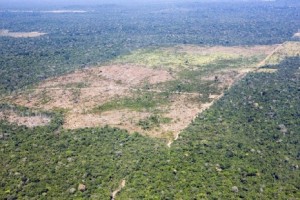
[29,121]
[118,93]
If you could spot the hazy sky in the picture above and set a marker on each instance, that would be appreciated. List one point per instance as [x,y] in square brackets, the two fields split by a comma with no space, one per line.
[6,3]
[74,2]
[57,3]
[29,3]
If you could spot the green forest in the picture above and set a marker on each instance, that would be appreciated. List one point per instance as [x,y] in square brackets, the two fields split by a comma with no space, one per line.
[245,146]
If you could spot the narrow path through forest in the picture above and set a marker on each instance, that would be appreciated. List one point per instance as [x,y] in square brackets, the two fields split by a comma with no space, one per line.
[263,62]
[204,107]
[121,186]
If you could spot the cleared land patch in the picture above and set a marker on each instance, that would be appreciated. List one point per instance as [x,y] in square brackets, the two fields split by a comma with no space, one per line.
[29,121]
[7,33]
[156,92]
[195,57]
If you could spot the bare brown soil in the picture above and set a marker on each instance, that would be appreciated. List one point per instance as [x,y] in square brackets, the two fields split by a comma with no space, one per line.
[102,84]
[81,91]
[227,77]
[129,75]
[21,34]
[29,121]
[84,89]
[126,119]
[183,109]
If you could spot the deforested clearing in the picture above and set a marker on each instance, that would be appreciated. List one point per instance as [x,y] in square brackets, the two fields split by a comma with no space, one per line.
[29,121]
[156,92]
[7,33]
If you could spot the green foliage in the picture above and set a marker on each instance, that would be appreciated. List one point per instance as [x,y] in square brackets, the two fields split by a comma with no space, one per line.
[141,101]
[173,59]
[153,121]
[76,85]
[242,136]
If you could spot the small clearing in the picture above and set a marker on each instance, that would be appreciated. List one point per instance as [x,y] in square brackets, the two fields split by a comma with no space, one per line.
[29,121]
[121,186]
[126,119]
[7,33]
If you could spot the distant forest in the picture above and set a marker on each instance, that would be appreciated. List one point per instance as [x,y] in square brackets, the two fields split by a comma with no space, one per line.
[78,40]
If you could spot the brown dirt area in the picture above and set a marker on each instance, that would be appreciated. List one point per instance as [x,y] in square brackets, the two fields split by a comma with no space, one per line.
[126,119]
[102,84]
[29,121]
[7,33]
[129,75]
[182,109]
[83,90]
[227,77]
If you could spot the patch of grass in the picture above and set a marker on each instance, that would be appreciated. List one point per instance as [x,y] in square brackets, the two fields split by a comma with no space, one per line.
[153,121]
[143,101]
[172,58]
[44,97]
[76,85]
[75,94]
